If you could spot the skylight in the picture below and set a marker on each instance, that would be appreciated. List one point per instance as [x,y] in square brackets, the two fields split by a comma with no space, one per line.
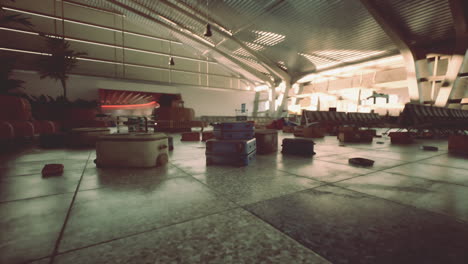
[268,38]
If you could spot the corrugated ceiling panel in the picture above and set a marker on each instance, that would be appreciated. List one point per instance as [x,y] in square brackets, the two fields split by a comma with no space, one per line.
[424,20]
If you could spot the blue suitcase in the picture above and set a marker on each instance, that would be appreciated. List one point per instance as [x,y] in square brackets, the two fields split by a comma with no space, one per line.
[222,134]
[241,146]
[232,159]
[234,126]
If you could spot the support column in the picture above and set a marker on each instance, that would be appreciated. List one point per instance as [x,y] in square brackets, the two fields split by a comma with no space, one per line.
[284,103]
[272,100]
[255,105]
[452,87]
[414,65]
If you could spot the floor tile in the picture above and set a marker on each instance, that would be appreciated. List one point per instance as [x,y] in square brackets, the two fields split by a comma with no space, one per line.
[37,154]
[409,156]
[40,261]
[251,184]
[198,166]
[231,237]
[15,188]
[449,199]
[31,227]
[128,178]
[323,170]
[433,172]
[108,213]
[35,167]
[379,164]
[348,227]
[449,161]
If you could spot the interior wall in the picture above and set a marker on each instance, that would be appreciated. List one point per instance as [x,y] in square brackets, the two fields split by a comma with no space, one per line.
[205,101]
[123,55]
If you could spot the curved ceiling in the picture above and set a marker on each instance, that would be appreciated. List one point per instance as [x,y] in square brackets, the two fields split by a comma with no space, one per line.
[283,40]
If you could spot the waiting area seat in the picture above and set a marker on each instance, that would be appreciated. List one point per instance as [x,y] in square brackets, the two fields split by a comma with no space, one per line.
[415,116]
[334,119]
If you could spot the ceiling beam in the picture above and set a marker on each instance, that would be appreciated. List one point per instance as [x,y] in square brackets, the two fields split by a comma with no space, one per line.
[414,65]
[176,28]
[274,69]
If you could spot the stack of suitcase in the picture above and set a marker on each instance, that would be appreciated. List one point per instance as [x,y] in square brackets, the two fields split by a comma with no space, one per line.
[234,144]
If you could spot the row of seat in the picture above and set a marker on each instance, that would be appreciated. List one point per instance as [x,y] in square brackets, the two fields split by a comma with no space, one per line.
[16,120]
[340,118]
[423,116]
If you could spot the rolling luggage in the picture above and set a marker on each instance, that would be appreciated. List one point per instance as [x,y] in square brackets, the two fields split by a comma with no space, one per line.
[190,136]
[401,137]
[267,141]
[220,134]
[234,130]
[298,146]
[230,159]
[137,150]
[52,170]
[458,144]
[234,126]
[358,136]
[227,147]
[207,135]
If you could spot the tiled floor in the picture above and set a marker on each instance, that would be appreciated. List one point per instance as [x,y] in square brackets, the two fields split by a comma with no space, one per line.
[410,207]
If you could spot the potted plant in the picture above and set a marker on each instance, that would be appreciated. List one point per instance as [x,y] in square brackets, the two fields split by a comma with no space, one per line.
[61,62]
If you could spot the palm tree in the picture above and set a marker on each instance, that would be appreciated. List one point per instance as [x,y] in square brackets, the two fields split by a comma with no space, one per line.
[60,63]
[14,19]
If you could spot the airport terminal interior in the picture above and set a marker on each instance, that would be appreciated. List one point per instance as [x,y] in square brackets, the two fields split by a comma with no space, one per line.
[233,131]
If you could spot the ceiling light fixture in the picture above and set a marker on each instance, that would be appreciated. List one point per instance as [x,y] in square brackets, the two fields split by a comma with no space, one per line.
[208,32]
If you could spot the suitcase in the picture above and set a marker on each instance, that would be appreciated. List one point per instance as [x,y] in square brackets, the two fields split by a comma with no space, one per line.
[52,170]
[190,136]
[234,126]
[298,146]
[288,129]
[226,147]
[232,159]
[360,136]
[458,144]
[401,137]
[234,130]
[267,141]
[309,132]
[313,132]
[222,134]
[207,135]
[136,150]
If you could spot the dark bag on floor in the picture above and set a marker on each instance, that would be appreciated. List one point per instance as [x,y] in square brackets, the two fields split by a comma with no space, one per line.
[298,146]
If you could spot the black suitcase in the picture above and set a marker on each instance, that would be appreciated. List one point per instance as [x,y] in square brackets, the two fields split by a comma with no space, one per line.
[298,146]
